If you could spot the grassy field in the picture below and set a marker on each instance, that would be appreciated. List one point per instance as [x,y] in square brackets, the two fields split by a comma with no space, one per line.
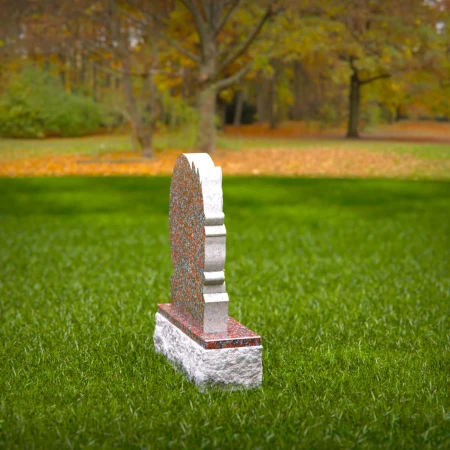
[97,145]
[347,281]
[112,155]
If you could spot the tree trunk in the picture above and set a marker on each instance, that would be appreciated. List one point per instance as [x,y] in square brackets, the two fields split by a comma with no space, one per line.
[82,71]
[400,113]
[70,77]
[262,100]
[239,108]
[354,106]
[62,69]
[298,85]
[62,77]
[143,133]
[206,138]
[107,82]
[222,113]
[145,138]
[271,104]
[94,81]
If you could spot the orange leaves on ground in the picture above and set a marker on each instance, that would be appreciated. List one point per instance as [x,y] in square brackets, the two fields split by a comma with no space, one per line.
[317,161]
[330,162]
[408,131]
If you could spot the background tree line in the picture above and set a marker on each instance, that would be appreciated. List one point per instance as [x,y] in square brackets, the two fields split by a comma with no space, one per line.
[71,67]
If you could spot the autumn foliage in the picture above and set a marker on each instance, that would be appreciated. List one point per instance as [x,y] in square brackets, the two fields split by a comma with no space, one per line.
[353,64]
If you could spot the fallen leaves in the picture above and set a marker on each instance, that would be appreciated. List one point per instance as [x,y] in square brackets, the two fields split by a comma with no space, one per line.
[408,131]
[330,162]
[315,161]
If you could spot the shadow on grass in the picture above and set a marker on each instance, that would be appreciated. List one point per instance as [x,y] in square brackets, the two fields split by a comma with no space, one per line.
[242,195]
[368,197]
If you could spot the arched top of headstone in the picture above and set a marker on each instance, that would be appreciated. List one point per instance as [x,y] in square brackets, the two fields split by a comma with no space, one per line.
[197,239]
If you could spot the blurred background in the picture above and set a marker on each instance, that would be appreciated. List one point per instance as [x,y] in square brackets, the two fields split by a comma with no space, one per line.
[142,76]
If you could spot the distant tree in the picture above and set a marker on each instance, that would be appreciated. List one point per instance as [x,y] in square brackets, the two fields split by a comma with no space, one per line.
[214,48]
[86,39]
[300,77]
[377,40]
[149,59]
[122,31]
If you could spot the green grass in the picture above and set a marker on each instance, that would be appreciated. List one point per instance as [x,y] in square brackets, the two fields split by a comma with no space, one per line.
[95,145]
[347,281]
[91,145]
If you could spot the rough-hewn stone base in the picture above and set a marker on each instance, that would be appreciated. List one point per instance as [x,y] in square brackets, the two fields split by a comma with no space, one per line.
[233,368]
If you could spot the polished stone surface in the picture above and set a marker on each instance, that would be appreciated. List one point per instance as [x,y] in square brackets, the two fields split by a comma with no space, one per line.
[237,335]
[197,238]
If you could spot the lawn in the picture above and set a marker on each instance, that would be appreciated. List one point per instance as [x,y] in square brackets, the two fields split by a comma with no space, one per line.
[348,282]
[185,141]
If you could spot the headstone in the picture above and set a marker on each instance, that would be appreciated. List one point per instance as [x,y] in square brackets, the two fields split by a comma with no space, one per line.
[194,331]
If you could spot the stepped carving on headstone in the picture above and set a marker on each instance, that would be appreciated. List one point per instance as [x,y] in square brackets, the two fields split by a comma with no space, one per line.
[194,331]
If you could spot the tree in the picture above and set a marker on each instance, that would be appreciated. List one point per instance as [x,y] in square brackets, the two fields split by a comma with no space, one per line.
[150,59]
[299,77]
[121,43]
[377,39]
[217,49]
[84,39]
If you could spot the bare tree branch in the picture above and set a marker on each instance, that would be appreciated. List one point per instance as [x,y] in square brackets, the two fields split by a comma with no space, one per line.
[227,17]
[351,60]
[365,45]
[206,10]
[197,15]
[171,41]
[369,80]
[227,82]
[122,72]
[252,36]
[180,48]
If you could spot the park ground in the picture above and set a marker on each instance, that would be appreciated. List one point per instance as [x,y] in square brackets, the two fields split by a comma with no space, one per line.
[347,281]
[404,150]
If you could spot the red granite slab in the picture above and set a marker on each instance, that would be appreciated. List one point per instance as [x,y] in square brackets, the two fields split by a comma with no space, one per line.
[237,335]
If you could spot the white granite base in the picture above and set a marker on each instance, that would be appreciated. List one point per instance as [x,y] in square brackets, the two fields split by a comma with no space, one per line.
[232,368]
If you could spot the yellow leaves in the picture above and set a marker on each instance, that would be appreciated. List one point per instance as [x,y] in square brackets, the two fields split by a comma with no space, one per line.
[227,95]
[165,82]
[181,24]
[397,87]
[385,58]
[285,94]
[319,159]
[261,62]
